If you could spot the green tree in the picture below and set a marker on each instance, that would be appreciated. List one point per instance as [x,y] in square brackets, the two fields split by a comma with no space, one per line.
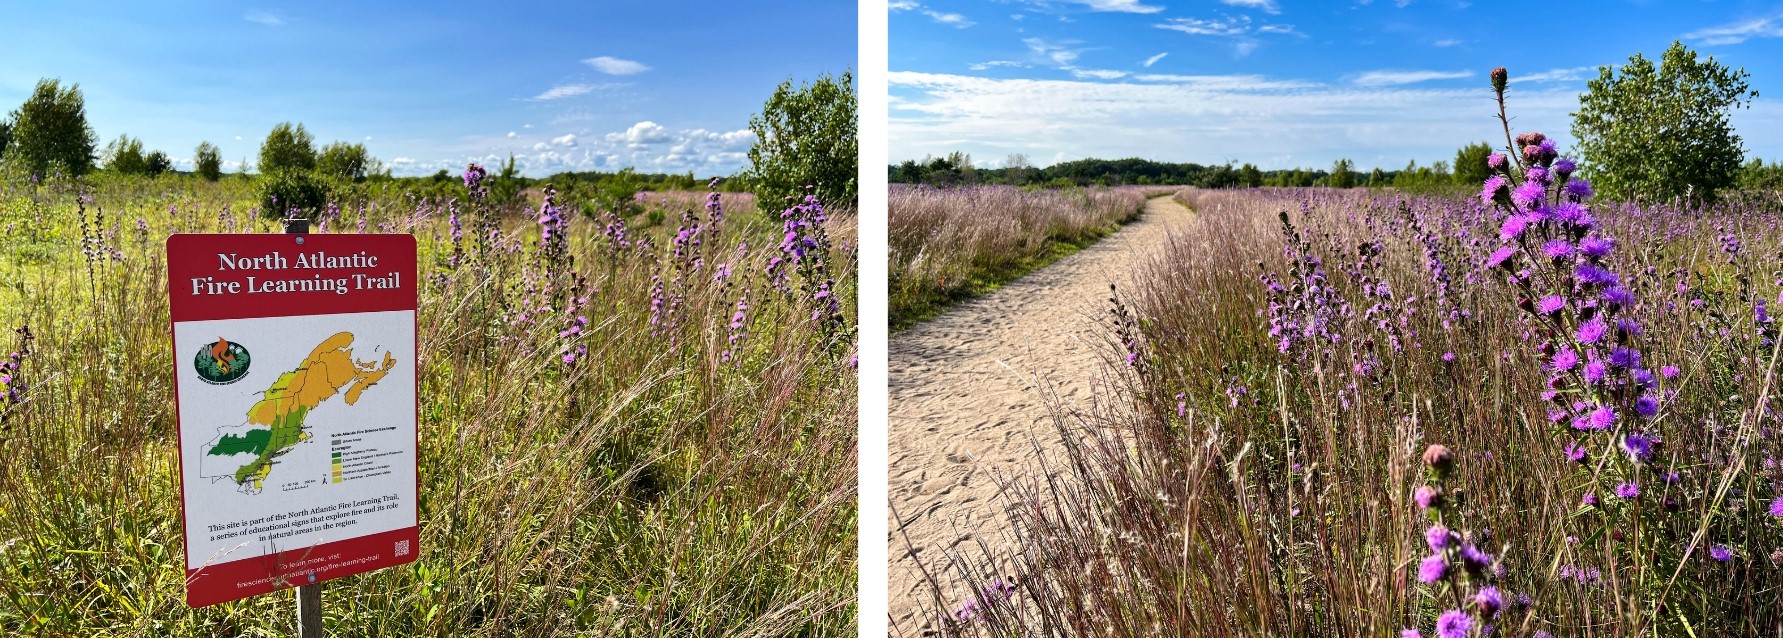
[156,163]
[343,160]
[1249,176]
[50,130]
[124,156]
[1017,169]
[1341,174]
[209,161]
[1470,163]
[506,186]
[1656,134]
[807,135]
[5,135]
[287,147]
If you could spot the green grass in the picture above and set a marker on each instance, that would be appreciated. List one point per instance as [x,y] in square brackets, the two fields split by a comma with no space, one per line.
[931,302]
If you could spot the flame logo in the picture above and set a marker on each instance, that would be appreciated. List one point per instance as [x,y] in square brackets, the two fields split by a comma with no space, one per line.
[220,352]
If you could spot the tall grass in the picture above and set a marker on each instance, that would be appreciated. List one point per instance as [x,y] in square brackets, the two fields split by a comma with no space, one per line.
[683,473]
[951,244]
[1233,484]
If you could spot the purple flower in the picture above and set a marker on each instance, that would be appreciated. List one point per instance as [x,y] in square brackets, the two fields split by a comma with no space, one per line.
[1618,296]
[1527,194]
[1720,553]
[1643,378]
[1495,161]
[1453,623]
[1646,406]
[1410,633]
[1638,446]
[1558,249]
[1438,537]
[1513,227]
[1488,600]
[1669,372]
[1577,188]
[1565,166]
[1426,496]
[1625,357]
[1592,331]
[1595,247]
[1628,490]
[1550,304]
[1537,173]
[1777,507]
[1593,275]
[1589,499]
[1601,418]
[1432,569]
[1493,186]
[1474,559]
[1574,214]
[1500,257]
[1565,359]
[1575,452]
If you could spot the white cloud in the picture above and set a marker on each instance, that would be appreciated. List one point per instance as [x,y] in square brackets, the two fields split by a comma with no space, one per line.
[615,66]
[1118,6]
[1446,43]
[564,90]
[951,19]
[512,135]
[1154,59]
[263,17]
[1396,78]
[1738,32]
[1555,75]
[1099,74]
[1281,29]
[1266,6]
[980,66]
[1274,122]
[1194,26]
[568,139]
[646,146]
[1059,53]
[525,126]
[238,138]
[901,5]
[541,146]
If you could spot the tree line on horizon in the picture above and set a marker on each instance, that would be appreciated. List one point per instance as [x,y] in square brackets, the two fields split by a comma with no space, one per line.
[1644,131]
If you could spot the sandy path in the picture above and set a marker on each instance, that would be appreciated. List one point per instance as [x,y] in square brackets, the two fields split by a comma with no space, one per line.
[958,414]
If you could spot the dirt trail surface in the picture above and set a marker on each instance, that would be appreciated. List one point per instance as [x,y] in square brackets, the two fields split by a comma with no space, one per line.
[965,407]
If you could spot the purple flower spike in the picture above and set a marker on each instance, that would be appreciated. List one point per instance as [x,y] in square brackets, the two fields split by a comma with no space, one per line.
[1669,372]
[1492,188]
[1500,257]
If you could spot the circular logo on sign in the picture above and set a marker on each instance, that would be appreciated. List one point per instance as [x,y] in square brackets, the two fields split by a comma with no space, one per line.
[222,362]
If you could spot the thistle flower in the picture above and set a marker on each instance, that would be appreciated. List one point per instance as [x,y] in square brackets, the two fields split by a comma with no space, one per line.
[1628,490]
[1595,247]
[1592,331]
[1557,249]
[1453,623]
[1427,496]
[1720,553]
[1578,189]
[1500,257]
[1575,452]
[1438,537]
[1777,507]
[1439,458]
[1527,194]
[1496,161]
[1488,601]
[1494,187]
[1433,569]
[1639,447]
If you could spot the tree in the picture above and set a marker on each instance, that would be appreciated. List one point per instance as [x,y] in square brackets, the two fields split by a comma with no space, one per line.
[287,147]
[1016,168]
[807,135]
[1661,133]
[1249,176]
[50,130]
[156,163]
[1341,175]
[5,135]
[343,160]
[208,160]
[1470,163]
[124,156]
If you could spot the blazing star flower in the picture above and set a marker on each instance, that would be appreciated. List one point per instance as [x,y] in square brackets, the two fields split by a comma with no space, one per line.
[1438,537]
[1777,507]
[1537,173]
[1488,600]
[1426,497]
[1589,499]
[1550,304]
[1565,359]
[1628,490]
[1513,227]
[1638,446]
[1595,371]
[1592,331]
[1595,247]
[1432,569]
[1646,406]
[1625,357]
[1618,296]
[1474,559]
[1575,452]
[1527,194]
[1578,189]
[1630,326]
[1492,188]
[1410,633]
[1453,623]
[1593,275]
[1565,166]
[1720,553]
[1558,249]
[1601,418]
[1669,372]
[1500,257]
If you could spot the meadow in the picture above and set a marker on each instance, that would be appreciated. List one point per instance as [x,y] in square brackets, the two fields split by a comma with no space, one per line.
[1521,412]
[951,244]
[626,428]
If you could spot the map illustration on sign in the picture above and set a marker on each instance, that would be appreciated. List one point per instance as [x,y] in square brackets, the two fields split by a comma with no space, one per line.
[247,454]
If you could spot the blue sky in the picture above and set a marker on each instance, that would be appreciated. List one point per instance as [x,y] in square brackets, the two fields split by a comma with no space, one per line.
[661,86]
[1284,84]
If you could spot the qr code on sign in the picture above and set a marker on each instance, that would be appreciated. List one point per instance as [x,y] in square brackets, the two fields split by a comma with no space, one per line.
[402,548]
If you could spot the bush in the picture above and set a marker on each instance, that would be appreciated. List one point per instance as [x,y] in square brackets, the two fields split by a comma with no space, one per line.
[283,191]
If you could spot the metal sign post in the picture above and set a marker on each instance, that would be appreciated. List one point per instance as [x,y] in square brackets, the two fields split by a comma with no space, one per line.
[309,597]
